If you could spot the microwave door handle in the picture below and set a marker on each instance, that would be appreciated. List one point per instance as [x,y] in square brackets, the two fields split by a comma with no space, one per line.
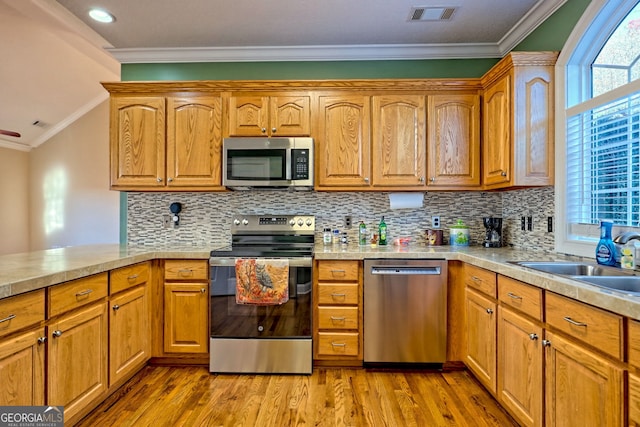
[288,165]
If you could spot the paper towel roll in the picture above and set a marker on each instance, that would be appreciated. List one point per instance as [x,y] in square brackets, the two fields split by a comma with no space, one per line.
[406,200]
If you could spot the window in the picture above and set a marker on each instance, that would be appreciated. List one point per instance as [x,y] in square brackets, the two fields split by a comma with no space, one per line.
[600,72]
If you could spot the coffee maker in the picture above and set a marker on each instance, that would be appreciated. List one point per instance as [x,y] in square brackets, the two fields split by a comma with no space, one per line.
[493,237]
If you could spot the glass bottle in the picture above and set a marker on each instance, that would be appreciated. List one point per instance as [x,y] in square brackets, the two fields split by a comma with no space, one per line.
[382,232]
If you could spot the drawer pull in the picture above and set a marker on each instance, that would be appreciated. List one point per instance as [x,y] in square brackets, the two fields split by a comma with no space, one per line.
[339,271]
[57,333]
[489,310]
[132,277]
[185,271]
[546,343]
[9,317]
[335,294]
[85,292]
[533,336]
[42,340]
[338,344]
[203,290]
[514,296]
[476,279]
[342,319]
[573,322]
[116,307]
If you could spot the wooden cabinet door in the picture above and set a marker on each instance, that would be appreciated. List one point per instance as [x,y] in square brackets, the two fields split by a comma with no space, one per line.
[290,115]
[137,129]
[77,362]
[22,369]
[582,388]
[520,359]
[194,141]
[634,400]
[248,115]
[343,155]
[453,141]
[398,141]
[129,333]
[497,116]
[186,318]
[481,338]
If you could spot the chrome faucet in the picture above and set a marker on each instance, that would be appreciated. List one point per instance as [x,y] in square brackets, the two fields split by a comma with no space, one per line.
[625,237]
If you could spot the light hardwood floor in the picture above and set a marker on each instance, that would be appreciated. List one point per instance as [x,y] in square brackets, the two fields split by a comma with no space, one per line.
[191,396]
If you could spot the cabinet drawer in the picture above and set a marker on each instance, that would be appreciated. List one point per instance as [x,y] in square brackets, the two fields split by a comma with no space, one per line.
[21,311]
[338,317]
[523,297]
[480,279]
[338,343]
[185,269]
[77,293]
[338,293]
[634,343]
[338,270]
[128,277]
[598,328]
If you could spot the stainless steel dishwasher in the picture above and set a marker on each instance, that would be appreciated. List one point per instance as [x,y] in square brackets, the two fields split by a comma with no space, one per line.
[405,311]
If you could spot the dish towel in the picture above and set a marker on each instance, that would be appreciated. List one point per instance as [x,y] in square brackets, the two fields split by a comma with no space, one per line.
[262,281]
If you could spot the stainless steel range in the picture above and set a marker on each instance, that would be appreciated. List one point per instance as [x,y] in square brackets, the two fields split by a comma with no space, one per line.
[263,338]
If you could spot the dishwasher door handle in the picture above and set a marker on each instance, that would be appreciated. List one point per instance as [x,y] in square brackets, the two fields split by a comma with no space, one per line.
[405,270]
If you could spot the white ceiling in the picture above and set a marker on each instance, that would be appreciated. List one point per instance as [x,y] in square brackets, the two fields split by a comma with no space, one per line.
[57,56]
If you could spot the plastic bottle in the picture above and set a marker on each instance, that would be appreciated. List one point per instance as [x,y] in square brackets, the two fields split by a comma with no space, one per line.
[627,256]
[327,236]
[362,233]
[382,232]
[606,249]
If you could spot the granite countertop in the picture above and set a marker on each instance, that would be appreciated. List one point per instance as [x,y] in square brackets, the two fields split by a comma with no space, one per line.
[25,272]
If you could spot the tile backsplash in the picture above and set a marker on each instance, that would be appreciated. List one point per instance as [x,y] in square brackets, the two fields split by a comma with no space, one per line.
[206,217]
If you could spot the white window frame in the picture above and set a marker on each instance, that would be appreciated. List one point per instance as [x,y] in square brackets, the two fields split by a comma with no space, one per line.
[573,86]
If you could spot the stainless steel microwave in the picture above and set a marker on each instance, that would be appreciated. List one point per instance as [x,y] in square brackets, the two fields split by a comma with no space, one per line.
[267,163]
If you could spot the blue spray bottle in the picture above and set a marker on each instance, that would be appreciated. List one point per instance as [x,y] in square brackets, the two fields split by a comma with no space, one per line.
[606,249]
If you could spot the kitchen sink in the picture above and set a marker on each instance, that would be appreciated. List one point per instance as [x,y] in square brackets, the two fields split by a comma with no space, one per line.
[569,268]
[627,284]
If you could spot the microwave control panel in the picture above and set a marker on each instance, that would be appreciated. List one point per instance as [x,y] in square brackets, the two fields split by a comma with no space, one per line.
[299,164]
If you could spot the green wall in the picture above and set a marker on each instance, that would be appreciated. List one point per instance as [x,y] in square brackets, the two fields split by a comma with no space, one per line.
[550,35]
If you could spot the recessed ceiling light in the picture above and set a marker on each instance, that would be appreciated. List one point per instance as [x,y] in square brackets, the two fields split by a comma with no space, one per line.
[101,15]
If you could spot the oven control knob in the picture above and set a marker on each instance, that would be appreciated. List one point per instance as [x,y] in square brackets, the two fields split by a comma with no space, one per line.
[292,222]
[236,221]
[245,222]
[300,222]
[309,222]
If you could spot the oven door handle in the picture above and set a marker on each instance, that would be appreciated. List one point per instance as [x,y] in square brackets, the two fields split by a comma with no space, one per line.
[230,262]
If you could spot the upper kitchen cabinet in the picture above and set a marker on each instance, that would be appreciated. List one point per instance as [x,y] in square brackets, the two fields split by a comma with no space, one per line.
[398,143]
[277,115]
[168,143]
[453,141]
[343,142]
[518,124]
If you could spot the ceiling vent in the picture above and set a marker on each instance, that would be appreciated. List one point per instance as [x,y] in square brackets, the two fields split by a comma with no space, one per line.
[423,13]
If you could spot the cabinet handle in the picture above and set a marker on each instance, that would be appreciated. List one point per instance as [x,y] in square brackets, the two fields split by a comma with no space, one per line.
[263,130]
[476,279]
[503,173]
[42,340]
[366,179]
[83,293]
[338,344]
[203,290]
[533,337]
[132,277]
[514,296]
[573,322]
[57,333]
[9,317]
[342,319]
[116,307]
[421,179]
[546,343]
[159,179]
[185,271]
[339,271]
[273,130]
[432,179]
[169,179]
[338,295]
[490,311]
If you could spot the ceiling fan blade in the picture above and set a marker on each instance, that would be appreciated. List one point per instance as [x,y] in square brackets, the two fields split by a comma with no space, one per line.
[10,133]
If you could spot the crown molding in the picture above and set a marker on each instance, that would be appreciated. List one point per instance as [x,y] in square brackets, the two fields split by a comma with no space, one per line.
[14,145]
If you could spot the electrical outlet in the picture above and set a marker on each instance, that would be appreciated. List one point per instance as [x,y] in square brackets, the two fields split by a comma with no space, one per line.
[166,221]
[435,221]
[347,221]
[549,224]
[523,223]
[529,223]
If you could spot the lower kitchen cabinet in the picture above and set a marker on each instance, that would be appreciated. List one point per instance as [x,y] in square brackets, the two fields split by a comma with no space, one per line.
[582,388]
[481,338]
[520,362]
[634,400]
[22,369]
[77,358]
[185,318]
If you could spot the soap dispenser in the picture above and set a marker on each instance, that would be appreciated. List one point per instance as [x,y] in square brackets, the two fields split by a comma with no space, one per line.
[606,249]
